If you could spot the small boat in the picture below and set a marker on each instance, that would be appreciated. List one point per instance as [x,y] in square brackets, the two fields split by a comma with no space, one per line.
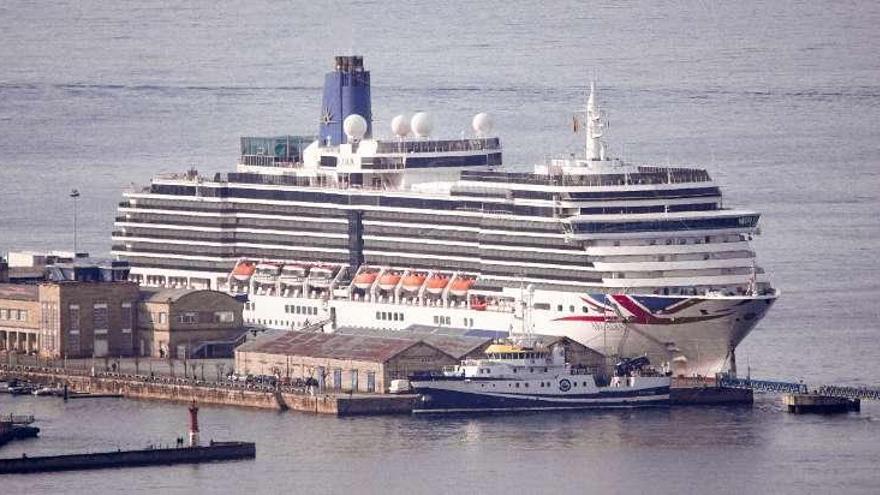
[293,273]
[22,389]
[267,271]
[437,283]
[365,279]
[461,286]
[389,281]
[50,391]
[523,376]
[413,281]
[320,277]
[478,303]
[243,271]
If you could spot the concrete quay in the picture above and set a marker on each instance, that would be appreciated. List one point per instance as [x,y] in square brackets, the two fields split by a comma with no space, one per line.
[821,404]
[216,393]
[707,392]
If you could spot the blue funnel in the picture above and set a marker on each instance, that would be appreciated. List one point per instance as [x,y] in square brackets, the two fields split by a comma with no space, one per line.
[346,91]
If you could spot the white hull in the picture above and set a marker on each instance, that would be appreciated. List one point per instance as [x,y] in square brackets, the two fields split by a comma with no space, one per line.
[695,338]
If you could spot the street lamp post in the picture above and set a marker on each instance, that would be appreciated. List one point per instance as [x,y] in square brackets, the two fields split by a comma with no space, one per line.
[75,195]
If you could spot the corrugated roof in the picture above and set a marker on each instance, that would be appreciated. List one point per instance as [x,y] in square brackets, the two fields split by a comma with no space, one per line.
[19,292]
[457,344]
[158,294]
[332,346]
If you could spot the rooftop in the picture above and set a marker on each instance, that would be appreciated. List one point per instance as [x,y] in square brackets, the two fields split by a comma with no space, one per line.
[19,292]
[332,346]
[456,342]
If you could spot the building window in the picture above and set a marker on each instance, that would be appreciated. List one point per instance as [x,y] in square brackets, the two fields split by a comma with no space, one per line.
[126,316]
[4,314]
[22,315]
[224,317]
[337,379]
[371,381]
[163,317]
[73,317]
[188,317]
[354,380]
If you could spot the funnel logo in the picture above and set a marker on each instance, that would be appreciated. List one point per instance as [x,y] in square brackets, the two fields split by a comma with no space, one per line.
[564,385]
[326,117]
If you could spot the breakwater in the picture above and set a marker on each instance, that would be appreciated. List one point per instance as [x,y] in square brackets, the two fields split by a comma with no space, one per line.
[217,451]
[216,393]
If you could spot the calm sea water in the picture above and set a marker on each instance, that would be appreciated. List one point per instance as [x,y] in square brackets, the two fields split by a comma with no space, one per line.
[779,102]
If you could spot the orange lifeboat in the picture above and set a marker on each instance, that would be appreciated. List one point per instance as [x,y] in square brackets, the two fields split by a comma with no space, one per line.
[413,281]
[461,286]
[243,271]
[389,281]
[478,303]
[437,283]
[365,280]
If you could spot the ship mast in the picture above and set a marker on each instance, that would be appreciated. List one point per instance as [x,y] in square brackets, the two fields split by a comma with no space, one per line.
[595,128]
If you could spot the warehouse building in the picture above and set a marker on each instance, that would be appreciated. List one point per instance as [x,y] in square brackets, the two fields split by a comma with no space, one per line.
[339,362]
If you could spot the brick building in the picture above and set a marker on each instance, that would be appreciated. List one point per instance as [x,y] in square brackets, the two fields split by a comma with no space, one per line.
[179,323]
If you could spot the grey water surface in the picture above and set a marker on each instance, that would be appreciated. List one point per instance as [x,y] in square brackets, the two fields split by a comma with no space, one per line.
[780,101]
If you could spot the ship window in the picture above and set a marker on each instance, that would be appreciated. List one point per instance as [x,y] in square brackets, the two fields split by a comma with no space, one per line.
[571,309]
[395,316]
[517,384]
[585,309]
[378,315]
[575,384]
[585,384]
[436,320]
[559,307]
[545,306]
[526,385]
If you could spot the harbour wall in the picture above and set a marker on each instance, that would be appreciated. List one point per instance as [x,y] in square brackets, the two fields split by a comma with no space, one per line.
[184,391]
[148,457]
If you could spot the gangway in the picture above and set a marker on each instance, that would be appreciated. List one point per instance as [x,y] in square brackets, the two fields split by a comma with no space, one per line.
[780,387]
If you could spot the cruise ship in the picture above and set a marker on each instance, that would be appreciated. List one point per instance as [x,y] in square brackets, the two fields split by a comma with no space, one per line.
[345,228]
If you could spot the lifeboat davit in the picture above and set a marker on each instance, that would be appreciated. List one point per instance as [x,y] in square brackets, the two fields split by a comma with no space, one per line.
[413,281]
[243,271]
[365,280]
[389,281]
[436,284]
[461,286]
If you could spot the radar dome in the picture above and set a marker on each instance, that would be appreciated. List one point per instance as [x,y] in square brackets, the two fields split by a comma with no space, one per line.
[482,124]
[354,126]
[400,126]
[421,124]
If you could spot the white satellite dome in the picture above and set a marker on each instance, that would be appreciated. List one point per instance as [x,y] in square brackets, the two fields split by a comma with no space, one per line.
[400,126]
[482,124]
[421,124]
[354,127]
